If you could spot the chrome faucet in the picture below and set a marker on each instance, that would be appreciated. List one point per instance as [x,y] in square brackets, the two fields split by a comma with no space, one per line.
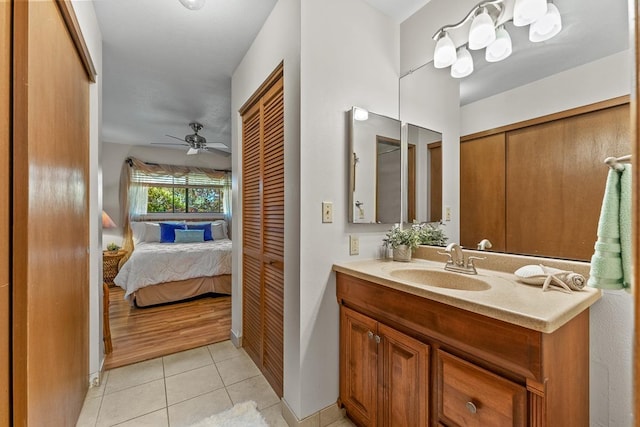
[456,260]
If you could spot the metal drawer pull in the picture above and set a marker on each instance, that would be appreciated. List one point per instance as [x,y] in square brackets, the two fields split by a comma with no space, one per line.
[370,335]
[471,407]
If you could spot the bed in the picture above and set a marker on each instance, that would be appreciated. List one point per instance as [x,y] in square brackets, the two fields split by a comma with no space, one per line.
[160,272]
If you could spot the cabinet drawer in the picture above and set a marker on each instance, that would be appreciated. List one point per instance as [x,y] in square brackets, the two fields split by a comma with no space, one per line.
[471,396]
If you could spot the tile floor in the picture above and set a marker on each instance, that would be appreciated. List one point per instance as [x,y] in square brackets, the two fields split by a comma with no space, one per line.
[180,389]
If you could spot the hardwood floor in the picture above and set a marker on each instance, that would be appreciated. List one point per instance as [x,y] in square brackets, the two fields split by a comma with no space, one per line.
[140,334]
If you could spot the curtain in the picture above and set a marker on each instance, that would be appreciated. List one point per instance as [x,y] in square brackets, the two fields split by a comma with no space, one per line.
[227,202]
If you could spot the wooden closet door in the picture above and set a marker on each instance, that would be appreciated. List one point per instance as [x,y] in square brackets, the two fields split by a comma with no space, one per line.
[482,191]
[263,229]
[50,217]
[556,179]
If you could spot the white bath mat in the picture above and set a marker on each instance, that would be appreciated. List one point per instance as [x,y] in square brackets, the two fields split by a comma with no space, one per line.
[243,414]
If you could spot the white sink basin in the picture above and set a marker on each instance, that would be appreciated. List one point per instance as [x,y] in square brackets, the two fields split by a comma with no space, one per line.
[441,279]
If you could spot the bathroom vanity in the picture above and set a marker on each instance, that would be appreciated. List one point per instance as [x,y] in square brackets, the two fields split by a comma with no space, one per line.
[424,347]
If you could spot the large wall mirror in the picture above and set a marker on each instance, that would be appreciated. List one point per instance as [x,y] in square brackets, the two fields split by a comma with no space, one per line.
[424,174]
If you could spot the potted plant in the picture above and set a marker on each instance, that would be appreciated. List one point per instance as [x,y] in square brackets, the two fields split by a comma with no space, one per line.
[432,234]
[113,247]
[403,241]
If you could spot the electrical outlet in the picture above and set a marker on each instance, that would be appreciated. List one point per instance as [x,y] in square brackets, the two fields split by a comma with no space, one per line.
[354,245]
[447,213]
[327,212]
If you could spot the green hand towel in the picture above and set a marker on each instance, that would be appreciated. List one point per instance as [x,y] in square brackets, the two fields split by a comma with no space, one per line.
[611,261]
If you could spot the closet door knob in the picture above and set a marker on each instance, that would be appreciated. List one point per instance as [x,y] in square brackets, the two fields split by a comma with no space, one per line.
[370,335]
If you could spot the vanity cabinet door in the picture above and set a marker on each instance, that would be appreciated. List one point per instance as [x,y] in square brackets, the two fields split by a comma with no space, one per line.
[358,366]
[471,396]
[405,379]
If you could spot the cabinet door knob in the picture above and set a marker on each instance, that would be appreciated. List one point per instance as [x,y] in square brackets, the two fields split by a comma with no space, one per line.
[377,339]
[471,407]
[370,335]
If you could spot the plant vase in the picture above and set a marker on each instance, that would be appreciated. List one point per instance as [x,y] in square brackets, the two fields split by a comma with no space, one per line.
[402,253]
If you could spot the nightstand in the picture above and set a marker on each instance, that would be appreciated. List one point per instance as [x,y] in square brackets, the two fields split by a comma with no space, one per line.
[110,261]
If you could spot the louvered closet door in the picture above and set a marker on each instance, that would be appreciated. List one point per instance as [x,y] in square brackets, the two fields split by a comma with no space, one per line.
[263,230]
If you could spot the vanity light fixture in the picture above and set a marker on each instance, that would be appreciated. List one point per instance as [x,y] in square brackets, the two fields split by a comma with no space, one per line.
[360,114]
[193,4]
[487,30]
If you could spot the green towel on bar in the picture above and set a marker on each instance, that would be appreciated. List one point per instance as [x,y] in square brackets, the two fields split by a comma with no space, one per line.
[611,261]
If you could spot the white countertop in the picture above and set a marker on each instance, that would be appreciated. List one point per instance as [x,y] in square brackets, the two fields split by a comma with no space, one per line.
[506,299]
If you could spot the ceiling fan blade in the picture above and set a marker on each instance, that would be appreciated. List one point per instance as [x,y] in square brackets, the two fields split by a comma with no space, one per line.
[169,143]
[215,150]
[175,137]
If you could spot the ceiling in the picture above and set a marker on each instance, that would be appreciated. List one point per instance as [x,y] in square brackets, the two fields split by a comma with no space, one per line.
[165,66]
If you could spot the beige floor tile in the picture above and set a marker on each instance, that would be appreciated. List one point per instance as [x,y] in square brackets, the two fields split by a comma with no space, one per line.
[237,369]
[131,403]
[273,416]
[254,388]
[193,410]
[344,422]
[133,375]
[192,383]
[224,350]
[89,413]
[154,419]
[186,360]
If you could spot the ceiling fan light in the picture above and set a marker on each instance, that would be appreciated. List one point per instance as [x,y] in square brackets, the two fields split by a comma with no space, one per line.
[482,32]
[526,12]
[191,151]
[463,65]
[547,26]
[445,52]
[501,48]
[193,4]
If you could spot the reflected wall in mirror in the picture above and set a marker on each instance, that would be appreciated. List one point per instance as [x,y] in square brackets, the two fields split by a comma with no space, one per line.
[375,168]
[424,174]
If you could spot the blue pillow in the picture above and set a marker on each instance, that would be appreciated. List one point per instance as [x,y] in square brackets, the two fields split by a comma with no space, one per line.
[189,236]
[205,227]
[167,231]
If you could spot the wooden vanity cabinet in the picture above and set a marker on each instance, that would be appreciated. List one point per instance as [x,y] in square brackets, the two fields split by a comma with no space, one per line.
[386,373]
[410,361]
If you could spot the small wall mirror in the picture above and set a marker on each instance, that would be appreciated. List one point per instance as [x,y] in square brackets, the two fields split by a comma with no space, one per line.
[375,168]
[424,174]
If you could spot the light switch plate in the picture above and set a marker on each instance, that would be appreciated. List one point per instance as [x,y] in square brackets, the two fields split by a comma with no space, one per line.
[447,213]
[354,245]
[327,212]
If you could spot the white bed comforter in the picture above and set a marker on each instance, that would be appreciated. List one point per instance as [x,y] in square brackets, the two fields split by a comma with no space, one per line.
[153,263]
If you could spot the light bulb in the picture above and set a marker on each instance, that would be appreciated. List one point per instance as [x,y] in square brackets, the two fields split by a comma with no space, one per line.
[482,32]
[445,52]
[501,48]
[527,11]
[547,26]
[193,4]
[463,65]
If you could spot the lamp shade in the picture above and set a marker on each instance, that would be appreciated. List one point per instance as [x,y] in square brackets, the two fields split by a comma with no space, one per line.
[526,12]
[547,26]
[482,32]
[501,48]
[445,53]
[193,4]
[463,65]
[107,222]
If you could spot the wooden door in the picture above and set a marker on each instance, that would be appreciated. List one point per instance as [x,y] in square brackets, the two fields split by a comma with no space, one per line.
[5,211]
[482,191]
[405,380]
[50,217]
[263,229]
[435,181]
[555,182]
[358,366]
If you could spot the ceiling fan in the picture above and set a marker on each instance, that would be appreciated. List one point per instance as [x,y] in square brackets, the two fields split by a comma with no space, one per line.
[196,143]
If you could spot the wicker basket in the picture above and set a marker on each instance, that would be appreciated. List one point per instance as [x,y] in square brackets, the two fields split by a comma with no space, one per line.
[110,261]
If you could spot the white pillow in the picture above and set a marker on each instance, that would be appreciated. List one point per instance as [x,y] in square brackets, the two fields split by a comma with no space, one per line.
[137,231]
[219,230]
[151,232]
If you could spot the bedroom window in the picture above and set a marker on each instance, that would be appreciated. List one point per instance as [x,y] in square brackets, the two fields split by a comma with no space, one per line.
[184,199]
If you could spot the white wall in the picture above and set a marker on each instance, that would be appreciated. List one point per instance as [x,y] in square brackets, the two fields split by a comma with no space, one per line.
[612,317]
[278,41]
[114,155]
[89,26]
[350,56]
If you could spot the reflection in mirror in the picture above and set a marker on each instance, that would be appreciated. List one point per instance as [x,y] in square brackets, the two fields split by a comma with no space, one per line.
[375,168]
[424,174]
